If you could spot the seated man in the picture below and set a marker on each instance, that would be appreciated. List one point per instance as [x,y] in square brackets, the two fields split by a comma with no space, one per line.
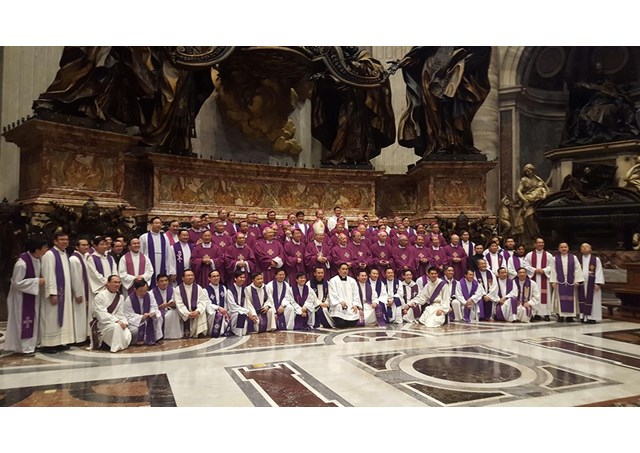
[343,299]
[528,297]
[394,304]
[261,308]
[506,292]
[303,304]
[109,324]
[143,316]
[163,294]
[469,293]
[238,311]
[407,292]
[191,302]
[487,280]
[435,296]
[375,312]
[279,291]
[320,294]
[218,319]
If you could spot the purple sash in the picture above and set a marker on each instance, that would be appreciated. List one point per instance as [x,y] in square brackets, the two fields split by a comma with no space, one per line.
[436,292]
[524,295]
[489,279]
[216,329]
[417,309]
[128,261]
[467,294]
[59,284]
[513,301]
[565,283]
[381,313]
[242,318]
[28,301]
[100,267]
[453,293]
[396,300]
[516,262]
[321,319]
[586,301]
[85,280]
[300,298]
[158,296]
[152,256]
[180,264]
[191,306]
[281,323]
[257,306]
[543,278]
[146,334]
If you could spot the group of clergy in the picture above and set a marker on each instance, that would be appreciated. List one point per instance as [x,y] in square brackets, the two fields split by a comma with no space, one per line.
[233,279]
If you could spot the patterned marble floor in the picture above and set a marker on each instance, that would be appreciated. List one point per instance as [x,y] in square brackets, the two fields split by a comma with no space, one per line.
[488,364]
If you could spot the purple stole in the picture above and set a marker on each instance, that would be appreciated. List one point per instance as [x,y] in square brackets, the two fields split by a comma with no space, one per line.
[437,291]
[242,318]
[152,255]
[381,313]
[28,300]
[513,301]
[59,284]
[85,280]
[177,248]
[516,262]
[128,261]
[300,298]
[586,301]
[470,251]
[506,255]
[98,262]
[524,294]
[365,298]
[487,257]
[281,323]
[191,305]
[565,283]
[485,306]
[467,294]
[396,300]
[417,310]
[158,296]
[257,306]
[217,320]
[320,316]
[543,277]
[146,334]
[454,282]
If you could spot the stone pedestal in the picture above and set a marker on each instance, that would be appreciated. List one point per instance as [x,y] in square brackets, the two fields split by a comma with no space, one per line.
[444,188]
[620,154]
[182,186]
[69,164]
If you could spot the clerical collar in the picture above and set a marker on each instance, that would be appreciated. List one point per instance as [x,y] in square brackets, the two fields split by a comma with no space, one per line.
[301,287]
[344,279]
[435,248]
[356,243]
[206,246]
[185,243]
[153,232]
[58,249]
[295,242]
[382,244]
[343,246]
[317,243]
[239,246]
[187,285]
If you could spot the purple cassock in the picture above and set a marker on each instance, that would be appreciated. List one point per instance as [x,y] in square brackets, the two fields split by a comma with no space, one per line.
[381,253]
[195,235]
[420,254]
[200,269]
[222,240]
[428,236]
[232,255]
[250,240]
[311,254]
[457,251]
[265,252]
[403,259]
[340,255]
[293,252]
[438,259]
[361,254]
[255,232]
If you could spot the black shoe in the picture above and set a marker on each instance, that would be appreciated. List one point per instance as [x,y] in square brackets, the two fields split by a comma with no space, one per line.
[546,318]
[570,319]
[49,350]
[560,319]
[591,321]
[63,347]
[536,318]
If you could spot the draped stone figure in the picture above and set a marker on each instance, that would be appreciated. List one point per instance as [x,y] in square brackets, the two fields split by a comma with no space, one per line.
[532,189]
[353,123]
[445,88]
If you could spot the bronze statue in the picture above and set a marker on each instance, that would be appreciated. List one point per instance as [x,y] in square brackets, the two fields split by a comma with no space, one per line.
[353,123]
[598,111]
[531,190]
[445,88]
[632,178]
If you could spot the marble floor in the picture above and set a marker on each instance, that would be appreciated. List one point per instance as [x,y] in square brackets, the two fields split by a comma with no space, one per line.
[544,364]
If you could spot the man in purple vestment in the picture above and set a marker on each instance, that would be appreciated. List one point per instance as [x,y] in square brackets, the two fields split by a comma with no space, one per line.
[382,253]
[253,229]
[435,233]
[180,257]
[437,255]
[294,256]
[341,253]
[271,222]
[206,257]
[220,236]
[238,257]
[456,257]
[317,254]
[404,256]
[196,230]
[269,255]
[301,224]
[362,258]
[421,255]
